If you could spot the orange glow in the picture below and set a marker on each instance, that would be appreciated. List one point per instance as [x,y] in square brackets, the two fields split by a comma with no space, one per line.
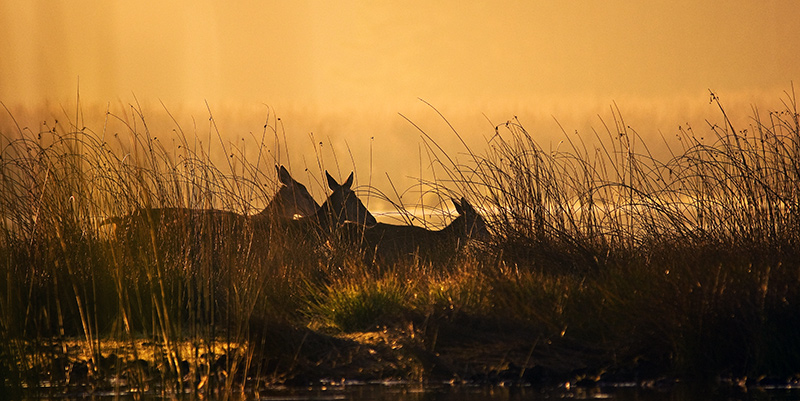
[323,53]
[344,70]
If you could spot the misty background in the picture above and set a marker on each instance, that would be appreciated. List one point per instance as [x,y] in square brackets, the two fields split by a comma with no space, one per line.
[347,79]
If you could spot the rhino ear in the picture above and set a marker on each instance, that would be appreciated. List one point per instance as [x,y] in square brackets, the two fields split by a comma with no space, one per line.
[349,182]
[283,175]
[458,206]
[332,184]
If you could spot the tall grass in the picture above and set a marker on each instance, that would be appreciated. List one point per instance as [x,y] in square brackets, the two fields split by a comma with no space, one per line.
[603,258]
[691,261]
[70,279]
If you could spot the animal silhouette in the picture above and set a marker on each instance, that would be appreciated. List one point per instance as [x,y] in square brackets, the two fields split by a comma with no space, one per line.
[290,202]
[390,243]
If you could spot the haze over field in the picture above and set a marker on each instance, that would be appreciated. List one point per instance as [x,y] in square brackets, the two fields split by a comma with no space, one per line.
[344,71]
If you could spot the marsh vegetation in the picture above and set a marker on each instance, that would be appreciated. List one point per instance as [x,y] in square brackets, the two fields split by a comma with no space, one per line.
[595,263]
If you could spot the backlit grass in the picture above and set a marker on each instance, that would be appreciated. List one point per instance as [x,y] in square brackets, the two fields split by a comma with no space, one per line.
[605,261]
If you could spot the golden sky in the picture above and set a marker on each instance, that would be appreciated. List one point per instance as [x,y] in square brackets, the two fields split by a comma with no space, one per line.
[345,69]
[358,52]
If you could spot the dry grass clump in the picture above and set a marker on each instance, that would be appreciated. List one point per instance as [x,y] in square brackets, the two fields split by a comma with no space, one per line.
[67,273]
[691,262]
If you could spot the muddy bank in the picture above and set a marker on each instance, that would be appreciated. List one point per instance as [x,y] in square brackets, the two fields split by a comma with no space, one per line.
[475,352]
[450,353]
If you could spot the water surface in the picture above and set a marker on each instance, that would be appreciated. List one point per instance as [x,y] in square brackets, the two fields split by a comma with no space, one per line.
[390,391]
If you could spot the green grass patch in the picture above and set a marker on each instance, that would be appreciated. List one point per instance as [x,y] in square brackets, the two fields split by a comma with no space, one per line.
[360,305]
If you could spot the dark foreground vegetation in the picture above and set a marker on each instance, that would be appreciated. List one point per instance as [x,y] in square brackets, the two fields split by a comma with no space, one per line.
[605,264]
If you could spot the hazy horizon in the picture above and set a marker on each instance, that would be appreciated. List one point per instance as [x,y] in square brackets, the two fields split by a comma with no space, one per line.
[351,73]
